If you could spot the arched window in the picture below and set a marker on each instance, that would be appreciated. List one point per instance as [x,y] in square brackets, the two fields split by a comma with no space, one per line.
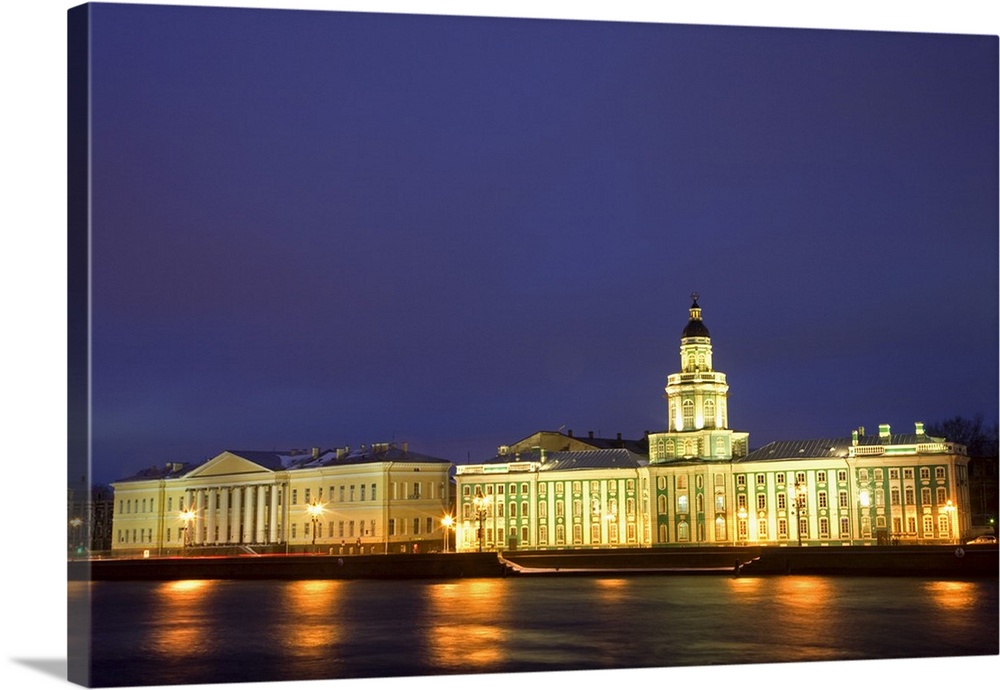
[661,505]
[688,408]
[683,531]
[709,414]
[701,361]
[669,449]
[663,534]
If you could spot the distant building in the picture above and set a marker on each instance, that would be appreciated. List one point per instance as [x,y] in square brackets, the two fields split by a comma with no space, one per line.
[700,485]
[89,514]
[376,499]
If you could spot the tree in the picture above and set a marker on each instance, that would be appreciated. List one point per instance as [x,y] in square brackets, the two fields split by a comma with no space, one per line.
[979,439]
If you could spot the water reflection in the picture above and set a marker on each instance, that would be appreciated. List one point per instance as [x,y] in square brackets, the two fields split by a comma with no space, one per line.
[471,629]
[309,627]
[180,625]
[951,595]
[611,590]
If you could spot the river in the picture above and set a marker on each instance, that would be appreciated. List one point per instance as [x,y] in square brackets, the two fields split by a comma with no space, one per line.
[224,631]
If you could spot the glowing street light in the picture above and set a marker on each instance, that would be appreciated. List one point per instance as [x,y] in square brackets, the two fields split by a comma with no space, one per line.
[950,509]
[481,504]
[188,517]
[800,506]
[447,524]
[315,512]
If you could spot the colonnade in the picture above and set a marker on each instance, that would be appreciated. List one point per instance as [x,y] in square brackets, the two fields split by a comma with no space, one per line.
[236,514]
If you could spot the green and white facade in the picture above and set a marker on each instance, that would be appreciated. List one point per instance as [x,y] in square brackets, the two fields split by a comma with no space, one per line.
[700,485]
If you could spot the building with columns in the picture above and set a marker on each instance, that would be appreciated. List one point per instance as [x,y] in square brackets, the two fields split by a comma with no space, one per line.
[701,485]
[376,499]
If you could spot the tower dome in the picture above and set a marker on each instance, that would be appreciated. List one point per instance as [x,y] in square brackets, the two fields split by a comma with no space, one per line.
[695,327]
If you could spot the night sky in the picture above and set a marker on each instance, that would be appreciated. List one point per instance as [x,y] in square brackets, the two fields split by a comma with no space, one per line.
[331,228]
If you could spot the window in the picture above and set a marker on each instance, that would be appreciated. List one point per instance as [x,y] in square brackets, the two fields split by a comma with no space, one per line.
[560,534]
[682,481]
[760,480]
[928,526]
[939,473]
[683,531]
[780,478]
[524,509]
[893,473]
[761,501]
[688,411]
[925,472]
[500,510]
[682,503]
[741,501]
[559,488]
[824,527]
[577,507]
[373,492]
[543,508]
[720,502]
[341,493]
[351,494]
[800,477]
[894,496]
[741,480]
[842,499]
[466,491]
[911,525]
[630,485]
[821,499]
[925,496]
[542,489]
[878,474]
[661,504]
[661,482]
[821,476]
[863,474]
[910,496]
[168,534]
[429,527]
[295,497]
[500,489]
[762,529]
[559,508]
[908,474]
[880,496]
[577,534]
[392,527]
[782,501]
[782,528]
[841,475]
[576,487]
[942,495]
[307,495]
[845,528]
[294,526]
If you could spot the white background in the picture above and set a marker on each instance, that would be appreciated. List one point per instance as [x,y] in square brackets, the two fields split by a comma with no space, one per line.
[33,267]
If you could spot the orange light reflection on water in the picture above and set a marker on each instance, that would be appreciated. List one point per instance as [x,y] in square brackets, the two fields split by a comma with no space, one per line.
[311,628]
[471,634]
[951,595]
[180,633]
[610,590]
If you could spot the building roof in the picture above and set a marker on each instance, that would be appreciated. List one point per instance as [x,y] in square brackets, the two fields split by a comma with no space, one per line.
[378,452]
[551,461]
[832,447]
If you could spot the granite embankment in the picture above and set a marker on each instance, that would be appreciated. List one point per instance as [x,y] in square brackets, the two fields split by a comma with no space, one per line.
[929,561]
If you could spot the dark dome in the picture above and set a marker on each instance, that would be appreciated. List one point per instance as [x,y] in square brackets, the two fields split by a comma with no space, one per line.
[695,329]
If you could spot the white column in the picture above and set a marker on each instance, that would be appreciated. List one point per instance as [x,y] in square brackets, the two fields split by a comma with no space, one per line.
[210,499]
[275,517]
[224,515]
[199,519]
[261,536]
[248,515]
[235,538]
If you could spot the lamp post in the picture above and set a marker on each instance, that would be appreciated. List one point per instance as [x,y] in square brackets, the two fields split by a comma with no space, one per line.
[187,516]
[75,524]
[800,507]
[949,508]
[481,504]
[741,527]
[315,511]
[447,523]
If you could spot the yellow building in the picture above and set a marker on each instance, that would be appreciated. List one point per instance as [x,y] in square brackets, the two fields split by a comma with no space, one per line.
[376,499]
[700,484]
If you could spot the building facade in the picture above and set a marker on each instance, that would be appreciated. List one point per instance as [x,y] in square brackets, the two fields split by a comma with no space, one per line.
[377,499]
[700,484]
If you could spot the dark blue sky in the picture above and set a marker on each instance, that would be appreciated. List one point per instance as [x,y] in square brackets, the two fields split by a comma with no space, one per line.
[322,228]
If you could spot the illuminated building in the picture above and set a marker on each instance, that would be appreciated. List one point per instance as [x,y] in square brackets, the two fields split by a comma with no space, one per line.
[700,484]
[376,499]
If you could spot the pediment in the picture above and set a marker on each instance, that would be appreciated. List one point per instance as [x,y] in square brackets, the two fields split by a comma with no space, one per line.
[229,464]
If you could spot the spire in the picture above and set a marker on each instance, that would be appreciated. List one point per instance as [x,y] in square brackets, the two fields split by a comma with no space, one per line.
[695,327]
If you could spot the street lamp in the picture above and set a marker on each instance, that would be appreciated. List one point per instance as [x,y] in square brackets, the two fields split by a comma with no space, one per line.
[187,516]
[481,504]
[800,507]
[75,524]
[949,508]
[447,523]
[315,511]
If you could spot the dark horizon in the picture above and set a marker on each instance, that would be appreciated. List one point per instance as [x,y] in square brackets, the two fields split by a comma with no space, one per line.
[337,228]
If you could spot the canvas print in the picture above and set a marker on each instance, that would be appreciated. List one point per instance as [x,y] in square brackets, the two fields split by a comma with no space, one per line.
[421,346]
